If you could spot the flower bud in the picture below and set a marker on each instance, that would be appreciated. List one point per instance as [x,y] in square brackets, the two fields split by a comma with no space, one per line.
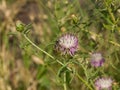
[20,26]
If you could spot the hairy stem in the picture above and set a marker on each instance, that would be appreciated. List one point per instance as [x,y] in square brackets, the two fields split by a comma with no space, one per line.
[110,12]
[64,85]
[43,51]
[80,78]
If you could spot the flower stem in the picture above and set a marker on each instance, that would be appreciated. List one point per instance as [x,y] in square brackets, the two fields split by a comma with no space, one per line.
[38,47]
[84,81]
[114,43]
[64,85]
[110,12]
[44,51]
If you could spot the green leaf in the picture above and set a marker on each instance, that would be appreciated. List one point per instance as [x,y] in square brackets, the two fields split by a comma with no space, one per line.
[108,27]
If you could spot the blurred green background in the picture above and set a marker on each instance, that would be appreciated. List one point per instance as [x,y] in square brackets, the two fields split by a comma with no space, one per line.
[22,67]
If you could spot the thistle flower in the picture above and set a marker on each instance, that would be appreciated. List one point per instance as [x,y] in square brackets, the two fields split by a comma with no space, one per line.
[67,44]
[97,60]
[103,83]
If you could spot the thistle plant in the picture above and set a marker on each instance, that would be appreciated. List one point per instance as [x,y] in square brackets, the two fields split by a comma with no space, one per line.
[67,44]
[97,60]
[103,83]
[83,34]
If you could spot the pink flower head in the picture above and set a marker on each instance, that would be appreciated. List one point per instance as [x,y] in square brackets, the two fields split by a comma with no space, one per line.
[103,83]
[97,60]
[67,44]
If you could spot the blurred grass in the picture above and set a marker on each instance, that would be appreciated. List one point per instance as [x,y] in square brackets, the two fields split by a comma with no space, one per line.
[22,67]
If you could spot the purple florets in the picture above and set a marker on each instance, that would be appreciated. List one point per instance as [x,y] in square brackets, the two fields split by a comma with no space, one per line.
[103,83]
[67,44]
[97,60]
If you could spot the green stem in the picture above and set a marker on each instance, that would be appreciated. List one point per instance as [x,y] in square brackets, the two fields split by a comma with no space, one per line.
[43,51]
[110,12]
[112,16]
[64,85]
[38,47]
[84,81]
[114,43]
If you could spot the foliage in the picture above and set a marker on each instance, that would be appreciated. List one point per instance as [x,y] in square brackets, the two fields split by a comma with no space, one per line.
[28,57]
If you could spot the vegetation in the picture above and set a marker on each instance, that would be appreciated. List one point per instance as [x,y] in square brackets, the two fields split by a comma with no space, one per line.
[34,57]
